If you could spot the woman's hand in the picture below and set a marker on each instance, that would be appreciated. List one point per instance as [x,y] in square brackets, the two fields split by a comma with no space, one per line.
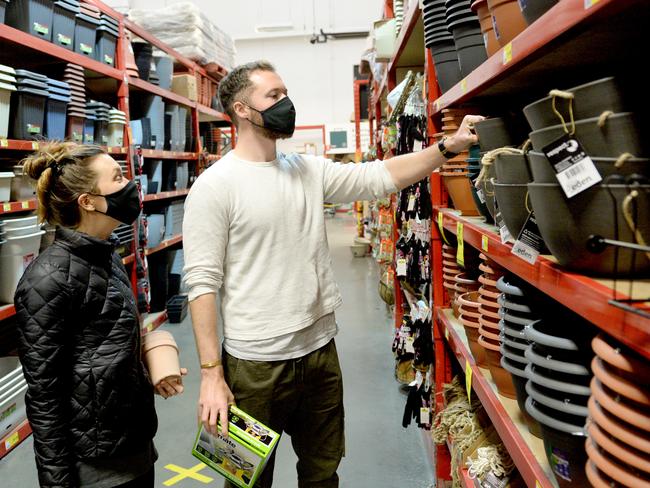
[171,387]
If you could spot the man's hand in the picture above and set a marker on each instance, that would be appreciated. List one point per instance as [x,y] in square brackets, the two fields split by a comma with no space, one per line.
[215,399]
[464,136]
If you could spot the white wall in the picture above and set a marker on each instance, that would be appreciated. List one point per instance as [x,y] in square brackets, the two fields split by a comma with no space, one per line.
[319,77]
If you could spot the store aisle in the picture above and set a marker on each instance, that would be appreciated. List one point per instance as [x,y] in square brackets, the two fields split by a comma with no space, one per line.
[380,453]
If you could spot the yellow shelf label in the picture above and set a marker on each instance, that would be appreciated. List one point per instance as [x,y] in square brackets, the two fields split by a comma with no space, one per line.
[6,207]
[460,252]
[4,143]
[463,85]
[150,327]
[447,334]
[468,380]
[12,440]
[442,227]
[538,484]
[507,53]
[35,145]
[484,243]
[24,205]
[590,3]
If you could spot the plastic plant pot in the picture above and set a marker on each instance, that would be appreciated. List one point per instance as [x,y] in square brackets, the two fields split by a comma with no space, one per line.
[85,34]
[622,386]
[555,402]
[519,380]
[550,363]
[618,428]
[620,357]
[619,407]
[535,374]
[623,452]
[63,24]
[75,129]
[161,356]
[28,113]
[619,472]
[31,16]
[507,20]
[106,43]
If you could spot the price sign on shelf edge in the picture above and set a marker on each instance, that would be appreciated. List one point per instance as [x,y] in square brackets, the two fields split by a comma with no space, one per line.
[460,253]
[468,380]
[507,53]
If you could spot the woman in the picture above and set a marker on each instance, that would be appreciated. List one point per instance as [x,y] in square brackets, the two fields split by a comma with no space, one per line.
[89,400]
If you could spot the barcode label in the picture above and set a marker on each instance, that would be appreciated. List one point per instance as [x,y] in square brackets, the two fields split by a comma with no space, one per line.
[578,177]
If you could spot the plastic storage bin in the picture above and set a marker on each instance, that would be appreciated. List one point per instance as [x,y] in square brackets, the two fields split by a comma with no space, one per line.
[107,35]
[32,16]
[84,35]
[29,113]
[6,89]
[5,185]
[15,255]
[64,23]
[21,186]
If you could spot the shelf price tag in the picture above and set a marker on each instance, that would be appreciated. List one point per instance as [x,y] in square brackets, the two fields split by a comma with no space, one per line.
[150,327]
[468,380]
[460,252]
[590,3]
[4,143]
[529,243]
[447,334]
[24,205]
[442,227]
[400,269]
[6,207]
[12,440]
[463,85]
[425,416]
[538,484]
[507,53]
[484,243]
[35,145]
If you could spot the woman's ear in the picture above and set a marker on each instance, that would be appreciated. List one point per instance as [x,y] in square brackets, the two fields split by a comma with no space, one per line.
[86,202]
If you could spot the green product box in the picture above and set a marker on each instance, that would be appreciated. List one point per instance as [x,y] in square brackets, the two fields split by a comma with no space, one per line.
[241,457]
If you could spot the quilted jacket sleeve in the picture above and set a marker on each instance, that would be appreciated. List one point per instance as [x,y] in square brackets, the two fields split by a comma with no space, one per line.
[42,305]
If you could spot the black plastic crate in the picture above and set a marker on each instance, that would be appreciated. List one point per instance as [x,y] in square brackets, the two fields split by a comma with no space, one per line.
[177,309]
[63,24]
[84,35]
[32,16]
[106,44]
[28,113]
[55,117]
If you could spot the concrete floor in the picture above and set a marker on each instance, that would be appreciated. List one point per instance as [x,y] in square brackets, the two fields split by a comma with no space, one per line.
[380,453]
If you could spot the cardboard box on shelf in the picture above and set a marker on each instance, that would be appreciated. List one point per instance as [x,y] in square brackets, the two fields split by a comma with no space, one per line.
[185,85]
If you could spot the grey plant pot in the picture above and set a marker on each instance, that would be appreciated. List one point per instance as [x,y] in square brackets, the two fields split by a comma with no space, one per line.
[534,9]
[563,386]
[620,134]
[549,362]
[543,171]
[512,204]
[512,169]
[567,224]
[557,404]
[494,133]
[590,100]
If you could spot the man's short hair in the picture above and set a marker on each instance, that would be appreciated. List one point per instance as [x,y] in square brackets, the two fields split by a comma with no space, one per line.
[238,81]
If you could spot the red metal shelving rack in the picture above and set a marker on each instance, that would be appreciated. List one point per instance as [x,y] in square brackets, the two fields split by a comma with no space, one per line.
[15,437]
[154,154]
[165,195]
[164,245]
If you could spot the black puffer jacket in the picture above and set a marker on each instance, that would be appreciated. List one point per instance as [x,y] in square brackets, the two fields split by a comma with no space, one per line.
[88,395]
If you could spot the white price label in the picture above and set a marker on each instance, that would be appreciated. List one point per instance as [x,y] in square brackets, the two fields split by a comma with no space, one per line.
[481,197]
[411,205]
[525,252]
[579,177]
[417,146]
[425,416]
[401,267]
[506,237]
[408,345]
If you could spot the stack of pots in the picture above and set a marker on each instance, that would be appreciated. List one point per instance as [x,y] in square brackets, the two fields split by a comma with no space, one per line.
[131,67]
[116,123]
[22,236]
[511,188]
[516,312]
[85,35]
[31,16]
[489,330]
[143,56]
[28,110]
[606,131]
[496,133]
[165,69]
[7,87]
[470,318]
[89,125]
[102,115]
[465,28]
[107,34]
[558,392]
[534,9]
[64,23]
[487,28]
[74,76]
[619,417]
[507,20]
[459,171]
[450,269]
[59,96]
[438,39]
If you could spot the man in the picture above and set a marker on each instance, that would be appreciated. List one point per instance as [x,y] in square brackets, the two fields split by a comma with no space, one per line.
[254,228]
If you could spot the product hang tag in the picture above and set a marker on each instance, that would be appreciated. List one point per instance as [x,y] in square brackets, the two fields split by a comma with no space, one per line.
[417,145]
[419,379]
[529,243]
[401,267]
[425,416]
[506,237]
[408,345]
[411,205]
[441,227]
[480,195]
[575,170]
[460,250]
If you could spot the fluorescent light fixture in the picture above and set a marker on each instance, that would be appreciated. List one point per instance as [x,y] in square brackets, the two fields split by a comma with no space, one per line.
[274,28]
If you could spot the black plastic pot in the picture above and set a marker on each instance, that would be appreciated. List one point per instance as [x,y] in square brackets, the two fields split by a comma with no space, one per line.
[566,226]
[534,9]
[63,24]
[85,34]
[512,205]
[498,132]
[471,53]
[31,16]
[480,204]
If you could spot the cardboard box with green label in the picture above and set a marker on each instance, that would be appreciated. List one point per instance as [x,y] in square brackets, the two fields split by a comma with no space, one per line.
[243,455]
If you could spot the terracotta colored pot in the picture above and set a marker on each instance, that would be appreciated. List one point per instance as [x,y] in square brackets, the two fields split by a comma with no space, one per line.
[469,301]
[490,324]
[161,356]
[619,450]
[490,40]
[618,472]
[469,322]
[449,254]
[618,407]
[468,314]
[489,336]
[455,308]
[460,192]
[620,385]
[596,477]
[622,358]
[507,20]
[486,312]
[477,350]
[484,280]
[486,292]
[623,431]
[489,303]
[489,268]
[500,376]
